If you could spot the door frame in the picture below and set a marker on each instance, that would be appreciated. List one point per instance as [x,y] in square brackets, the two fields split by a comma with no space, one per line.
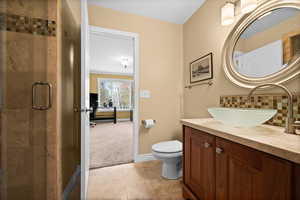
[84,101]
[135,37]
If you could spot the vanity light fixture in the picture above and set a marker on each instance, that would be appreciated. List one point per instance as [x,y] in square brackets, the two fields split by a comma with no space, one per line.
[228,10]
[227,14]
[248,6]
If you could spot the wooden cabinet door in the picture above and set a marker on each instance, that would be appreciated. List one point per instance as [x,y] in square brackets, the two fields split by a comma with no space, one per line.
[199,163]
[247,174]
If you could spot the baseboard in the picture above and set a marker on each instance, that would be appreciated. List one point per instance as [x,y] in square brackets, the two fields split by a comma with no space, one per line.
[110,120]
[75,179]
[123,119]
[144,157]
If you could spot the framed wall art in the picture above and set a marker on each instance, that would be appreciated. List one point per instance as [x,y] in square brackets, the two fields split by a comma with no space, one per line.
[201,69]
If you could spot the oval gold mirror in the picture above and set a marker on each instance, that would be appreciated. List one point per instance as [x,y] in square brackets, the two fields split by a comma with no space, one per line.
[264,46]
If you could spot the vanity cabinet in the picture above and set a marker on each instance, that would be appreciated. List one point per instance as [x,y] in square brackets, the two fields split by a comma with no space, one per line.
[248,174]
[218,169]
[199,162]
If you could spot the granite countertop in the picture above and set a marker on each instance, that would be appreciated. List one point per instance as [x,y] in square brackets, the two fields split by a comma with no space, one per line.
[266,138]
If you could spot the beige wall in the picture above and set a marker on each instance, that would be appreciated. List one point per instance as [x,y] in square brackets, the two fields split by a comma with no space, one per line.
[160,70]
[203,33]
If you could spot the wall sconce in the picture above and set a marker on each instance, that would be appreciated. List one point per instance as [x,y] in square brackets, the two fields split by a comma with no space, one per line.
[125,62]
[228,13]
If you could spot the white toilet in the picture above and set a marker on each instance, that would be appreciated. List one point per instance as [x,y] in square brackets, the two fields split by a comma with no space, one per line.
[170,153]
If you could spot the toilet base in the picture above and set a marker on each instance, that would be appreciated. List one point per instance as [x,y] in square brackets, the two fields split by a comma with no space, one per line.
[172,168]
[171,164]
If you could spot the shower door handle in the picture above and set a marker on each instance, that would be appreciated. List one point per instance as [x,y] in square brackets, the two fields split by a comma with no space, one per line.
[34,96]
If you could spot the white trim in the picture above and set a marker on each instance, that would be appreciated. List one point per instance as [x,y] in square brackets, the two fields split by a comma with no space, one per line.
[135,37]
[110,120]
[110,73]
[136,120]
[144,157]
[123,120]
[115,79]
[85,144]
[97,29]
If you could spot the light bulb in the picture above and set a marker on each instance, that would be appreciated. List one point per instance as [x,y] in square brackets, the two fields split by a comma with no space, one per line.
[227,14]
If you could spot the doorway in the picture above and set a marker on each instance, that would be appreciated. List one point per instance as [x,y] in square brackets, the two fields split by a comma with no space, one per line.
[113,78]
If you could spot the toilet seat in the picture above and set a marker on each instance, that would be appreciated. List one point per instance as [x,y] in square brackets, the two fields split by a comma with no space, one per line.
[168,147]
[166,155]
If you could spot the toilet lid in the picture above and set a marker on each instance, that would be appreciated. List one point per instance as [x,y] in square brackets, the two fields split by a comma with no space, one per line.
[173,146]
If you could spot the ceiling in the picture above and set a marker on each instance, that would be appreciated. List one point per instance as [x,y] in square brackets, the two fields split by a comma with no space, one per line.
[175,11]
[107,52]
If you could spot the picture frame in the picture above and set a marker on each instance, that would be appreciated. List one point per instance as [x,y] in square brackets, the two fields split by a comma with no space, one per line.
[201,69]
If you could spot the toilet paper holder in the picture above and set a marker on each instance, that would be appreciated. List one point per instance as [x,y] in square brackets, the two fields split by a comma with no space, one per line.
[143,121]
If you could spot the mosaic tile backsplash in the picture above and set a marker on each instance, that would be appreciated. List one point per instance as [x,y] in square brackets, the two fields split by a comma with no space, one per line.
[25,24]
[276,101]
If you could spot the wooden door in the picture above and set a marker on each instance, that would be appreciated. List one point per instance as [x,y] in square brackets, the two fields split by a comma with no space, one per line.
[199,163]
[248,174]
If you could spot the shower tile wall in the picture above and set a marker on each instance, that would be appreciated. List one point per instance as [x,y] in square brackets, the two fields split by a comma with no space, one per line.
[28,137]
[25,24]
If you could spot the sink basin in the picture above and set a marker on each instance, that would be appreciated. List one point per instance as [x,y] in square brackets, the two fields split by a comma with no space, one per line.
[240,117]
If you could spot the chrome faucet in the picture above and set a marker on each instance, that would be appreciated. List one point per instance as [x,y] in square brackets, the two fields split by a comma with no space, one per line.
[291,125]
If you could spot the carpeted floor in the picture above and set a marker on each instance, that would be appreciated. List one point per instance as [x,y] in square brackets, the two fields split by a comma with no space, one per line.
[111,144]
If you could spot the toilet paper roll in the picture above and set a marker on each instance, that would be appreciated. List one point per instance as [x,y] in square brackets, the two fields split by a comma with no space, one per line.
[149,123]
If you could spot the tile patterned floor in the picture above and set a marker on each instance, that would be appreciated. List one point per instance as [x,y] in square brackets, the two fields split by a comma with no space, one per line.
[135,181]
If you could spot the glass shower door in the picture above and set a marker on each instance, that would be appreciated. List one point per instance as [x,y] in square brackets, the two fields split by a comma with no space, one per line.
[27,80]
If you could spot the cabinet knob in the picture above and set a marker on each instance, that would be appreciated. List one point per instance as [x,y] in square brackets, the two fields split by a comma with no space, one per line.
[206,145]
[219,150]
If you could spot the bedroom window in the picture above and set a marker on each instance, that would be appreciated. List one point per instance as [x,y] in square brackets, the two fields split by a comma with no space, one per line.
[115,93]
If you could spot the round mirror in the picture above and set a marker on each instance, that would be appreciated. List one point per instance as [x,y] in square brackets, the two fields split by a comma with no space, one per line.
[265,46]
[269,44]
